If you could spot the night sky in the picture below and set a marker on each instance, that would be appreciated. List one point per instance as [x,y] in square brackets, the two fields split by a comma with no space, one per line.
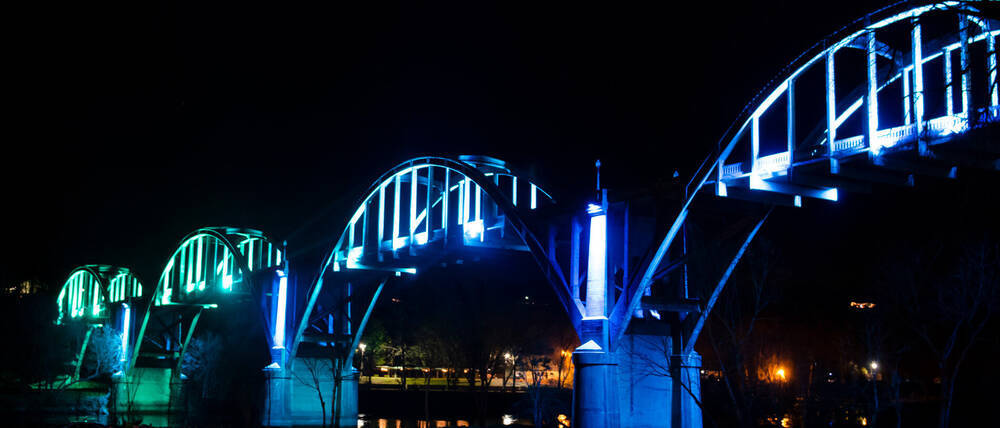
[129,125]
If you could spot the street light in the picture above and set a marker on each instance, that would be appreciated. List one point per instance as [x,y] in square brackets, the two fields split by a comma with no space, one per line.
[362,347]
[874,365]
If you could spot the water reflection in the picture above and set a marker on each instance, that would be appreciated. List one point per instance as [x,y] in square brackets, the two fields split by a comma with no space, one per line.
[410,423]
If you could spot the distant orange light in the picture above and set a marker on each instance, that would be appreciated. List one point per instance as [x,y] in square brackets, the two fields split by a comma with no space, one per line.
[781,374]
[563,420]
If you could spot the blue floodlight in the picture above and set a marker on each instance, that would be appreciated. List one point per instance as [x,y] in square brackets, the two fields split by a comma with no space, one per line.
[473,229]
[279,323]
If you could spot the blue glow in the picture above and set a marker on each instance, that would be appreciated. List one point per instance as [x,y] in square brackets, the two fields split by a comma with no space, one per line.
[420,238]
[395,215]
[399,242]
[421,216]
[381,213]
[126,318]
[513,192]
[596,267]
[479,203]
[354,256]
[534,196]
[250,254]
[473,229]
[279,323]
[413,202]
[593,209]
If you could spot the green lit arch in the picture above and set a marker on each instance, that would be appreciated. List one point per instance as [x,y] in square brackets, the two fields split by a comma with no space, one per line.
[89,289]
[208,260]
[243,251]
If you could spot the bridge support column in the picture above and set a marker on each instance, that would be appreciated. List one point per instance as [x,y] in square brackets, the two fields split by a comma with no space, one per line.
[648,395]
[277,401]
[595,400]
[347,399]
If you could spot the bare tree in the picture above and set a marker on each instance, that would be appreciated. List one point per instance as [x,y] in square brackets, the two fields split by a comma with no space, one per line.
[535,369]
[949,308]
[736,314]
[315,368]
[102,357]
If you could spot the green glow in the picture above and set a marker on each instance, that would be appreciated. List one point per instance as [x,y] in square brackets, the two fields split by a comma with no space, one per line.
[226,285]
[167,290]
[197,264]
[181,278]
[93,290]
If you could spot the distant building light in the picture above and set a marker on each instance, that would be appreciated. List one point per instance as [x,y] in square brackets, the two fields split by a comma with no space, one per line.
[862,305]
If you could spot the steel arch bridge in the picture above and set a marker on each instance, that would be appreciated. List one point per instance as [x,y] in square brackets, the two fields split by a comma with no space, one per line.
[210,267]
[904,93]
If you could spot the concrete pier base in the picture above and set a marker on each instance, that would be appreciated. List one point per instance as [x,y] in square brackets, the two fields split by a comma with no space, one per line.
[292,397]
[347,403]
[634,386]
[595,401]
[151,395]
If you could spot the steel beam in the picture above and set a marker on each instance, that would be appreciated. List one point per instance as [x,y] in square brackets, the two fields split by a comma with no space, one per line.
[693,337]
[963,35]
[187,341]
[871,99]
[364,322]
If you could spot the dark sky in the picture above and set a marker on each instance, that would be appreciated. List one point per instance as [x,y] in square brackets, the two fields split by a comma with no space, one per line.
[129,125]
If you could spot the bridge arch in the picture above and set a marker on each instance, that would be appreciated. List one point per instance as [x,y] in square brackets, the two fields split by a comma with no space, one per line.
[212,262]
[90,289]
[828,162]
[210,266]
[435,202]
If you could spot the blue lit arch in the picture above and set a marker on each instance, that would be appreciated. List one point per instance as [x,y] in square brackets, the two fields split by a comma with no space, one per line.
[830,162]
[475,199]
[862,35]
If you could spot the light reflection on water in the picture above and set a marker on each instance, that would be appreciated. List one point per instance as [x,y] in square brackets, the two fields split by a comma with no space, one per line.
[366,422]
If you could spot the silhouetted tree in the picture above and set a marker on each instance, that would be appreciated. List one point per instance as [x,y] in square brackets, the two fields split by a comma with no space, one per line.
[948,303]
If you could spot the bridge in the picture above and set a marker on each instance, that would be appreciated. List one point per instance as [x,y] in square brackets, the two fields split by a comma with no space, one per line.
[904,93]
